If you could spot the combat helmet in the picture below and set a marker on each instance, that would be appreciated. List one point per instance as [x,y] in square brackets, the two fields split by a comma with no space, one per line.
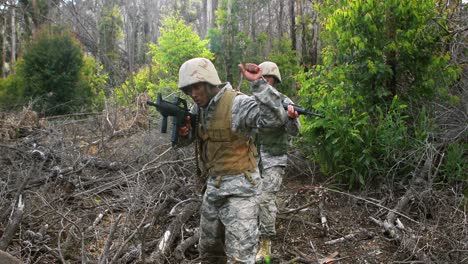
[197,70]
[270,68]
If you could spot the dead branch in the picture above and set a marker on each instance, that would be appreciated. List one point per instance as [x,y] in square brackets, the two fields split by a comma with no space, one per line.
[359,235]
[323,218]
[105,251]
[104,164]
[129,238]
[297,209]
[173,231]
[13,224]
[299,219]
[373,203]
[6,258]
[421,178]
[179,252]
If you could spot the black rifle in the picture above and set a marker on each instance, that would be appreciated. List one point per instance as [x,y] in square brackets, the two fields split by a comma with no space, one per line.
[301,110]
[179,112]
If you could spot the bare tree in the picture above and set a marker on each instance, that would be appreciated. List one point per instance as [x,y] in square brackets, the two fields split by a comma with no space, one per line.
[4,42]
[280,17]
[292,17]
[13,36]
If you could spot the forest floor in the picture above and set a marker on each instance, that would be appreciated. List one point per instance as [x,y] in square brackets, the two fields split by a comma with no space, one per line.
[109,188]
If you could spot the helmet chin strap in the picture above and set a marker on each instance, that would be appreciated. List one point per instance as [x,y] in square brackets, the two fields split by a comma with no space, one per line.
[211,91]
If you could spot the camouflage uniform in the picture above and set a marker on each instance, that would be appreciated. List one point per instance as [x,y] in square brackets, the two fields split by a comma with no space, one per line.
[273,151]
[229,212]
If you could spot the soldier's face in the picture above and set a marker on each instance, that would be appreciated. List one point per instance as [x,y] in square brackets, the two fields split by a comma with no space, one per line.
[270,80]
[199,94]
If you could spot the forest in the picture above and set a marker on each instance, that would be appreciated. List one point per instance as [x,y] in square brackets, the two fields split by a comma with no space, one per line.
[86,176]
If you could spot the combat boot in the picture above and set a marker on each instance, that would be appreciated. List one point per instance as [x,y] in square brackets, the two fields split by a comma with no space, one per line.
[264,251]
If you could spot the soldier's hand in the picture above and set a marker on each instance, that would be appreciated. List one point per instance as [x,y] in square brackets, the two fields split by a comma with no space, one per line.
[251,71]
[293,114]
[184,130]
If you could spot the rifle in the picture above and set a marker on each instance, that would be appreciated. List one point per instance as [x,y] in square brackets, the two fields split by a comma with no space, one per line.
[179,112]
[301,110]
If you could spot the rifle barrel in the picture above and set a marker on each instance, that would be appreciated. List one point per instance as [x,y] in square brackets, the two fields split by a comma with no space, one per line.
[301,110]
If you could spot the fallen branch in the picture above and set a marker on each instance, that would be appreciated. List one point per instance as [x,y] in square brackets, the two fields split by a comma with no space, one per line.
[418,184]
[173,231]
[359,235]
[373,203]
[179,252]
[12,225]
[323,218]
[6,258]
[297,209]
[105,251]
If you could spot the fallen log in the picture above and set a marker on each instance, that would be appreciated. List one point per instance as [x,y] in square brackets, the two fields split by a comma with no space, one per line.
[13,224]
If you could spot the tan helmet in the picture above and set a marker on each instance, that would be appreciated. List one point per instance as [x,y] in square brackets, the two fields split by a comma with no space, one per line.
[197,70]
[270,68]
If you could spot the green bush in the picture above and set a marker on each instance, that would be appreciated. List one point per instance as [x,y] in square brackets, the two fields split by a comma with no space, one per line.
[11,92]
[382,63]
[454,167]
[92,83]
[51,72]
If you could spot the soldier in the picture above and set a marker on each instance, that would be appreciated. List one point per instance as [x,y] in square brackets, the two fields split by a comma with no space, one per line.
[227,156]
[273,152]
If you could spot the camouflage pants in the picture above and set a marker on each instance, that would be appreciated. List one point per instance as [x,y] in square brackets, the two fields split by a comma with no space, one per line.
[271,180]
[229,229]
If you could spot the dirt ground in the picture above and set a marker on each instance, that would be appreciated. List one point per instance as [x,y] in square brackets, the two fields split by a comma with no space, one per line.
[108,188]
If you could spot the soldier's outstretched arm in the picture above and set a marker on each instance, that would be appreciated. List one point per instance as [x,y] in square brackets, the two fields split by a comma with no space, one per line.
[270,112]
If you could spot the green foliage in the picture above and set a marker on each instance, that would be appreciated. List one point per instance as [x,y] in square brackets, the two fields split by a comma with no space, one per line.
[142,81]
[51,71]
[381,61]
[92,83]
[11,92]
[285,57]
[110,33]
[454,167]
[177,44]
[229,43]
[394,47]
[56,76]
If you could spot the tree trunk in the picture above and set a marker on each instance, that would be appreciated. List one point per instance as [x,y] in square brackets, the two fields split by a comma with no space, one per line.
[253,24]
[35,15]
[315,41]
[293,24]
[303,44]
[214,6]
[4,40]
[204,22]
[13,39]
[280,18]
[269,29]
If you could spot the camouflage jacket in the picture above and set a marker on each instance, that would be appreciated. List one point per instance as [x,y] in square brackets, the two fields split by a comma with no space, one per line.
[271,158]
[262,110]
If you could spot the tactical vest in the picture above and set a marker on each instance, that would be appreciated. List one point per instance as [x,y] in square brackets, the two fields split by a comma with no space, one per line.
[223,152]
[273,141]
